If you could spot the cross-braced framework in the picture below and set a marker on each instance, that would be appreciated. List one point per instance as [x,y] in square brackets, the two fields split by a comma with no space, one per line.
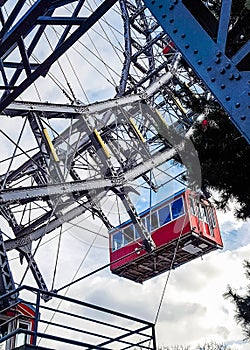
[66,160]
[61,161]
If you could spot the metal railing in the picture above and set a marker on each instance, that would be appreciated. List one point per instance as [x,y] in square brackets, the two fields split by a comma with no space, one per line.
[65,321]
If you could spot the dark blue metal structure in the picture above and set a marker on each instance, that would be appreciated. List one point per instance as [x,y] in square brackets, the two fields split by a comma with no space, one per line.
[215,44]
[103,328]
[217,49]
[31,26]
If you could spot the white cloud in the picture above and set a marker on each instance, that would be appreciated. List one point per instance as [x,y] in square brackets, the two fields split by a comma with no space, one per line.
[193,310]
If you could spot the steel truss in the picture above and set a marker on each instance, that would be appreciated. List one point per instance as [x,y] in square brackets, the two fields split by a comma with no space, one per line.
[106,147]
[22,35]
[219,52]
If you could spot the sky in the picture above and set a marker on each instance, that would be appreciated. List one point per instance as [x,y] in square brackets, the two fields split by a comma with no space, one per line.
[193,310]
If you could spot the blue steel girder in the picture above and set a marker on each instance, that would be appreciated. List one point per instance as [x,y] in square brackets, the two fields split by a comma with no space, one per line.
[9,37]
[204,42]
[14,31]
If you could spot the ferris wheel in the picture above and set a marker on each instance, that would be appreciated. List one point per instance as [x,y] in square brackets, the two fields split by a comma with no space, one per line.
[64,152]
[97,104]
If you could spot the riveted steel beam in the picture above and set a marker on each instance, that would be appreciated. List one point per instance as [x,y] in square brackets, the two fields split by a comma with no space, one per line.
[204,44]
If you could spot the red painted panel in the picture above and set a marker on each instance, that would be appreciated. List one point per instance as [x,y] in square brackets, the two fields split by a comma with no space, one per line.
[166,234]
[163,236]
[201,227]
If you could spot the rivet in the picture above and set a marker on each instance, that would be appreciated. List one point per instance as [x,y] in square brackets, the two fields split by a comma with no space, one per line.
[153,2]
[222,71]
[171,20]
[209,69]
[231,77]
[171,7]
[160,6]
[223,86]
[218,54]
[175,31]
[217,60]
[228,65]
[196,51]
[183,36]
[227,98]
[243,117]
[199,62]
[164,16]
[175,2]
[248,93]
[213,79]
[237,76]
[237,105]
[186,46]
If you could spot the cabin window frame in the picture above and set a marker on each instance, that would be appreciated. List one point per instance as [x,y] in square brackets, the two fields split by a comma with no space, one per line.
[212,217]
[23,338]
[149,221]
[113,241]
[183,207]
[193,205]
[169,212]
[126,236]
[145,222]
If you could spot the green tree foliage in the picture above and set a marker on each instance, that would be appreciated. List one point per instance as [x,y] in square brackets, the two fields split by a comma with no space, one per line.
[224,156]
[242,304]
[238,6]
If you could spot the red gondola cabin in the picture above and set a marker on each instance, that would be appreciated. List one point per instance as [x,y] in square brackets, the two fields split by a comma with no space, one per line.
[19,316]
[183,228]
